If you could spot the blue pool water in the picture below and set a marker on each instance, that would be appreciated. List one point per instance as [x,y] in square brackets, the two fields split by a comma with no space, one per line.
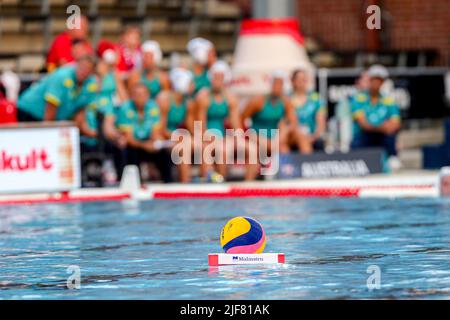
[158,249]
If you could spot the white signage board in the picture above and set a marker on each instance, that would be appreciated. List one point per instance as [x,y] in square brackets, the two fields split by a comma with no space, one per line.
[223,259]
[39,159]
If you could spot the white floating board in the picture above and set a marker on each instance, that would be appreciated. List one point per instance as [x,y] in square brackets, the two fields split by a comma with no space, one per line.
[224,259]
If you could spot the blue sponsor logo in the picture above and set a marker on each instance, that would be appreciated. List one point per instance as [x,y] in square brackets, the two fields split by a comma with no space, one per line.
[235,258]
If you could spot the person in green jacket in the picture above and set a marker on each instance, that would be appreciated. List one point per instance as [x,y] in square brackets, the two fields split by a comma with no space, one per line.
[376,117]
[98,122]
[140,121]
[61,94]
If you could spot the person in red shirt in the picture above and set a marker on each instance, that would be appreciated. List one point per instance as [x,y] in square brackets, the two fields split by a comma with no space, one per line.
[68,45]
[130,56]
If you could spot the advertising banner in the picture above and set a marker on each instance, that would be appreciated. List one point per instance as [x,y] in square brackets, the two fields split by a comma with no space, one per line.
[322,165]
[39,159]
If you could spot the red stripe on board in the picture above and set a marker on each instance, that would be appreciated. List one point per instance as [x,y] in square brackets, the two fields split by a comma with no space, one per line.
[182,194]
[281,258]
[240,192]
[262,192]
[236,192]
[65,198]
[297,192]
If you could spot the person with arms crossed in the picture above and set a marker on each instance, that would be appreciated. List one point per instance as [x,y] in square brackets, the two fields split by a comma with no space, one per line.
[376,117]
[140,121]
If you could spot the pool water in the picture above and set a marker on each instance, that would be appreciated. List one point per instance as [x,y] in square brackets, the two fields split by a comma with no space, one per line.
[158,249]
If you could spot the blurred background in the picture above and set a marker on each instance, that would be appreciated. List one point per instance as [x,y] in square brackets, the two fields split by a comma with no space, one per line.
[414,33]
[413,43]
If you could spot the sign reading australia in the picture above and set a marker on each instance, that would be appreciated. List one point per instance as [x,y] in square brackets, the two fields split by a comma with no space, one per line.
[319,165]
[347,168]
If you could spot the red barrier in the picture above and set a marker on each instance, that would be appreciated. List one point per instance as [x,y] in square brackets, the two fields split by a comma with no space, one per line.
[263,192]
[8,111]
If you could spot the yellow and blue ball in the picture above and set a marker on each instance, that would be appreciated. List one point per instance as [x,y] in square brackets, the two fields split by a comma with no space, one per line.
[243,235]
